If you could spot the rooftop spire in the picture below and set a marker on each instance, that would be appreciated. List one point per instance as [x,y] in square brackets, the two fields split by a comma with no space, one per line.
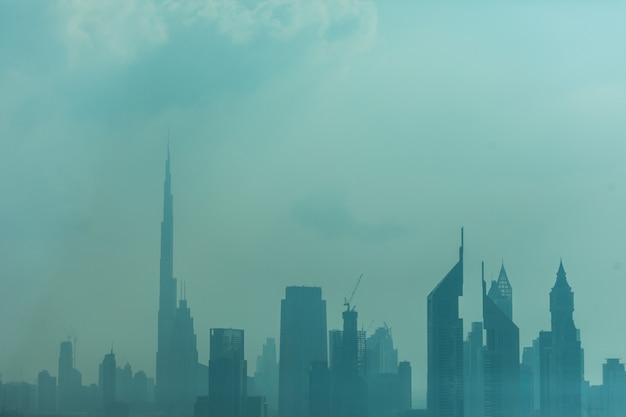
[461,248]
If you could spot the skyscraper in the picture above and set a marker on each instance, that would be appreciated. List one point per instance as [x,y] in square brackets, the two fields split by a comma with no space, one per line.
[302,341]
[70,380]
[177,355]
[474,371]
[445,345]
[46,393]
[349,389]
[227,373]
[382,357]
[266,376]
[167,295]
[566,359]
[501,358]
[109,370]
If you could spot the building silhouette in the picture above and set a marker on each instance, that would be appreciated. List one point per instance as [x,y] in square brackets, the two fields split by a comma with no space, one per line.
[319,390]
[177,356]
[501,357]
[348,386]
[302,342]
[562,356]
[405,388]
[382,357]
[70,381]
[614,388]
[46,392]
[445,345]
[474,368]
[266,376]
[109,386]
[227,374]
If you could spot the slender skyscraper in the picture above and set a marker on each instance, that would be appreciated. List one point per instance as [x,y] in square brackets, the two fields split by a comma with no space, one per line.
[167,295]
[109,370]
[566,363]
[501,358]
[177,355]
[445,345]
[302,342]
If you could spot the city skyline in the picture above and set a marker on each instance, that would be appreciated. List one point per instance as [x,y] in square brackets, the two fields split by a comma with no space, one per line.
[345,143]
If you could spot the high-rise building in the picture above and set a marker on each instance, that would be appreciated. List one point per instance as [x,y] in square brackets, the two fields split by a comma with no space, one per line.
[405,386]
[566,375]
[614,388]
[185,355]
[227,373]
[382,357]
[302,342]
[177,356]
[531,362]
[348,387]
[266,376]
[501,357]
[167,297]
[319,390]
[385,393]
[474,368]
[46,393]
[70,381]
[545,373]
[445,345]
[109,371]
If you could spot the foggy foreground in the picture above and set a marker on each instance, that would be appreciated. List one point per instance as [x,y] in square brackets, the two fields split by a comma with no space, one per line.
[338,373]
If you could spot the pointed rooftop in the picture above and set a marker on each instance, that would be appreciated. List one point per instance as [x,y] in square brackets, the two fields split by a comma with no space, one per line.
[561,278]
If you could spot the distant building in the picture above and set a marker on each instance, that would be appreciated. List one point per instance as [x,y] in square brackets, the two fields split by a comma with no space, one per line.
[530,362]
[177,365]
[614,388]
[109,386]
[405,388]
[348,386]
[266,376]
[69,388]
[474,372]
[382,357]
[319,390]
[46,393]
[302,342]
[566,374]
[18,398]
[227,374]
[501,357]
[445,345]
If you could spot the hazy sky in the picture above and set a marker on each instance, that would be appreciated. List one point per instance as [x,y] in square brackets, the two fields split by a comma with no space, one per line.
[312,141]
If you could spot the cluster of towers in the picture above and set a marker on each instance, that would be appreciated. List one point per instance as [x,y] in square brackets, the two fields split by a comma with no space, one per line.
[343,373]
[477,377]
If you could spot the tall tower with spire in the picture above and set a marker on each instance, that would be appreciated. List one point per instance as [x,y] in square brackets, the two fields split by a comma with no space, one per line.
[445,345]
[566,364]
[177,355]
[167,294]
[501,355]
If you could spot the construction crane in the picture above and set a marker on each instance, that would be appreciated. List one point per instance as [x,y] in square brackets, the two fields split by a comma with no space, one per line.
[347,301]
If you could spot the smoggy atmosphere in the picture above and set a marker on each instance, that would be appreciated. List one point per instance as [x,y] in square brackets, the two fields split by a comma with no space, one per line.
[311,142]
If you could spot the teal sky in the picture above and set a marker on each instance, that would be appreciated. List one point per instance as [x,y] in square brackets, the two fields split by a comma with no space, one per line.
[311,141]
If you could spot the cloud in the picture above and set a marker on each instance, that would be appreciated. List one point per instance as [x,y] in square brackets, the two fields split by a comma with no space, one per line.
[111,32]
[281,19]
[328,215]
